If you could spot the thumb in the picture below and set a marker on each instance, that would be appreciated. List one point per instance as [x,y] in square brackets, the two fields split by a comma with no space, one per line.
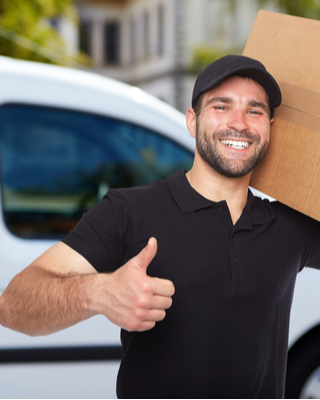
[147,254]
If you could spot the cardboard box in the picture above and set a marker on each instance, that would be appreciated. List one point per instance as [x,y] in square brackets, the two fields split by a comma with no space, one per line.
[289,48]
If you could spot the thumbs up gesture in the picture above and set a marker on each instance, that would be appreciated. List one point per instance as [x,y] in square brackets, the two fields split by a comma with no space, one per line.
[136,301]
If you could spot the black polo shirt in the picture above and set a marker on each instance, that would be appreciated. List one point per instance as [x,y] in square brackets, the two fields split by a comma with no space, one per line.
[226,334]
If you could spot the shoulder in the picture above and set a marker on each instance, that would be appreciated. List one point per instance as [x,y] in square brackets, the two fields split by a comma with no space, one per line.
[149,189]
[274,207]
[286,215]
[138,198]
[286,212]
[134,196]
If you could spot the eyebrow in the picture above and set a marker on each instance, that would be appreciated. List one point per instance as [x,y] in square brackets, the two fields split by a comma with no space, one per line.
[254,103]
[218,99]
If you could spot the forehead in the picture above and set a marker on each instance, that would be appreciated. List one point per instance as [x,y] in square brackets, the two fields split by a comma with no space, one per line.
[241,88]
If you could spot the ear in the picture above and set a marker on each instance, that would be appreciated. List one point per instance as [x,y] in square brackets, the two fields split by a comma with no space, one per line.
[191,120]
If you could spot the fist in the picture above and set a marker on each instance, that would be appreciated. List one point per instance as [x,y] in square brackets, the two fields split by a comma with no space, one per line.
[136,301]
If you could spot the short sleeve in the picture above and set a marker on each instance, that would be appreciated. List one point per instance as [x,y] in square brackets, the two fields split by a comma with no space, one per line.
[311,256]
[104,234]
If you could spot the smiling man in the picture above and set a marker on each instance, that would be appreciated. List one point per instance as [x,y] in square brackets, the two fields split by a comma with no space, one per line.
[236,115]
[197,272]
[230,118]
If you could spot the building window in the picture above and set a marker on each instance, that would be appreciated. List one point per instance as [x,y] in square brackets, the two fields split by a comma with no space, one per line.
[160,46]
[146,35]
[112,43]
[85,32]
[133,41]
[54,22]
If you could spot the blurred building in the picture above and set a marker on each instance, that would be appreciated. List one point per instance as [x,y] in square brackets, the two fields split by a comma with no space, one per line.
[151,43]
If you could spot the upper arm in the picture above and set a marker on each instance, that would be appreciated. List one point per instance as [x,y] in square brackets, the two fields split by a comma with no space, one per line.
[62,259]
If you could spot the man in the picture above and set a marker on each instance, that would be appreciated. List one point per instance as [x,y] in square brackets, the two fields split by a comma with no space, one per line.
[197,271]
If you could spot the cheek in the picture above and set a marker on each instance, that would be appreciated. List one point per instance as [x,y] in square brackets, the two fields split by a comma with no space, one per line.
[267,135]
[211,125]
[264,131]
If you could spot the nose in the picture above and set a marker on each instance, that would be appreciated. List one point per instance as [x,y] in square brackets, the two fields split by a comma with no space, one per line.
[238,121]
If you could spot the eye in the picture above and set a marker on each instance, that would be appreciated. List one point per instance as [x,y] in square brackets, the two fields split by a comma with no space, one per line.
[222,108]
[257,112]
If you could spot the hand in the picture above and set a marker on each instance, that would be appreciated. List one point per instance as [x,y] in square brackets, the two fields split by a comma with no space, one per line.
[138,301]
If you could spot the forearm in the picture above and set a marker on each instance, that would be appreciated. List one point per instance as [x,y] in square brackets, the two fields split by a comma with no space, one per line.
[41,301]
[37,302]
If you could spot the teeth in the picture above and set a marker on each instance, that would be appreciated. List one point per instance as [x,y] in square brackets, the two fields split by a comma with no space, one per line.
[236,144]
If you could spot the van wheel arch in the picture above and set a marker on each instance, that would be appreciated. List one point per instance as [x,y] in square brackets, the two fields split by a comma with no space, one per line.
[303,369]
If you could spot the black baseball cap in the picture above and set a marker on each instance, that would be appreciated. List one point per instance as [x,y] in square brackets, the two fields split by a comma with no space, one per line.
[241,66]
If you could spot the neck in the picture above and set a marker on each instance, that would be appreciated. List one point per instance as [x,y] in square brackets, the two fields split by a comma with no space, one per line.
[216,187]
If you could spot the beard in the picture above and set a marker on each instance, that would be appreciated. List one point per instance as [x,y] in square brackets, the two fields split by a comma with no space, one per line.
[231,168]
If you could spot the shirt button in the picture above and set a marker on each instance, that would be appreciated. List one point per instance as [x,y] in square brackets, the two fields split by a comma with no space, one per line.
[237,260]
[220,210]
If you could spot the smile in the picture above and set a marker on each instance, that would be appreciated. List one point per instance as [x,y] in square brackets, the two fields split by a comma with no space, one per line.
[236,144]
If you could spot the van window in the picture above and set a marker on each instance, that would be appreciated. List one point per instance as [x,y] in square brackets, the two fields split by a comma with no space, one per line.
[56,164]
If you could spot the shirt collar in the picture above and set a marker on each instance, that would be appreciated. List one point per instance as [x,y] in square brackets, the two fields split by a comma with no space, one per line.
[256,211]
[185,196]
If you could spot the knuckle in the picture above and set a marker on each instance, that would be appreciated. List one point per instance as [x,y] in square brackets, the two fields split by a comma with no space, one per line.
[143,302]
[145,286]
[147,325]
[133,325]
[140,313]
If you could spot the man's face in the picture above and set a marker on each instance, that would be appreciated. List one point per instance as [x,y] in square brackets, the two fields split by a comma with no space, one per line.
[233,127]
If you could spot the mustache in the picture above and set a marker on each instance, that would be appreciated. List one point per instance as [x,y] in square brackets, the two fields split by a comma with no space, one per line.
[231,134]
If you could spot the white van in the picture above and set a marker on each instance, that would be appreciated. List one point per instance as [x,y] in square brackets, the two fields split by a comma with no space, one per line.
[66,136]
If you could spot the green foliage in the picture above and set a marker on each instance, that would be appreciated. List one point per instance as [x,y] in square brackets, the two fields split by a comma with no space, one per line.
[26,28]
[300,8]
[203,56]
